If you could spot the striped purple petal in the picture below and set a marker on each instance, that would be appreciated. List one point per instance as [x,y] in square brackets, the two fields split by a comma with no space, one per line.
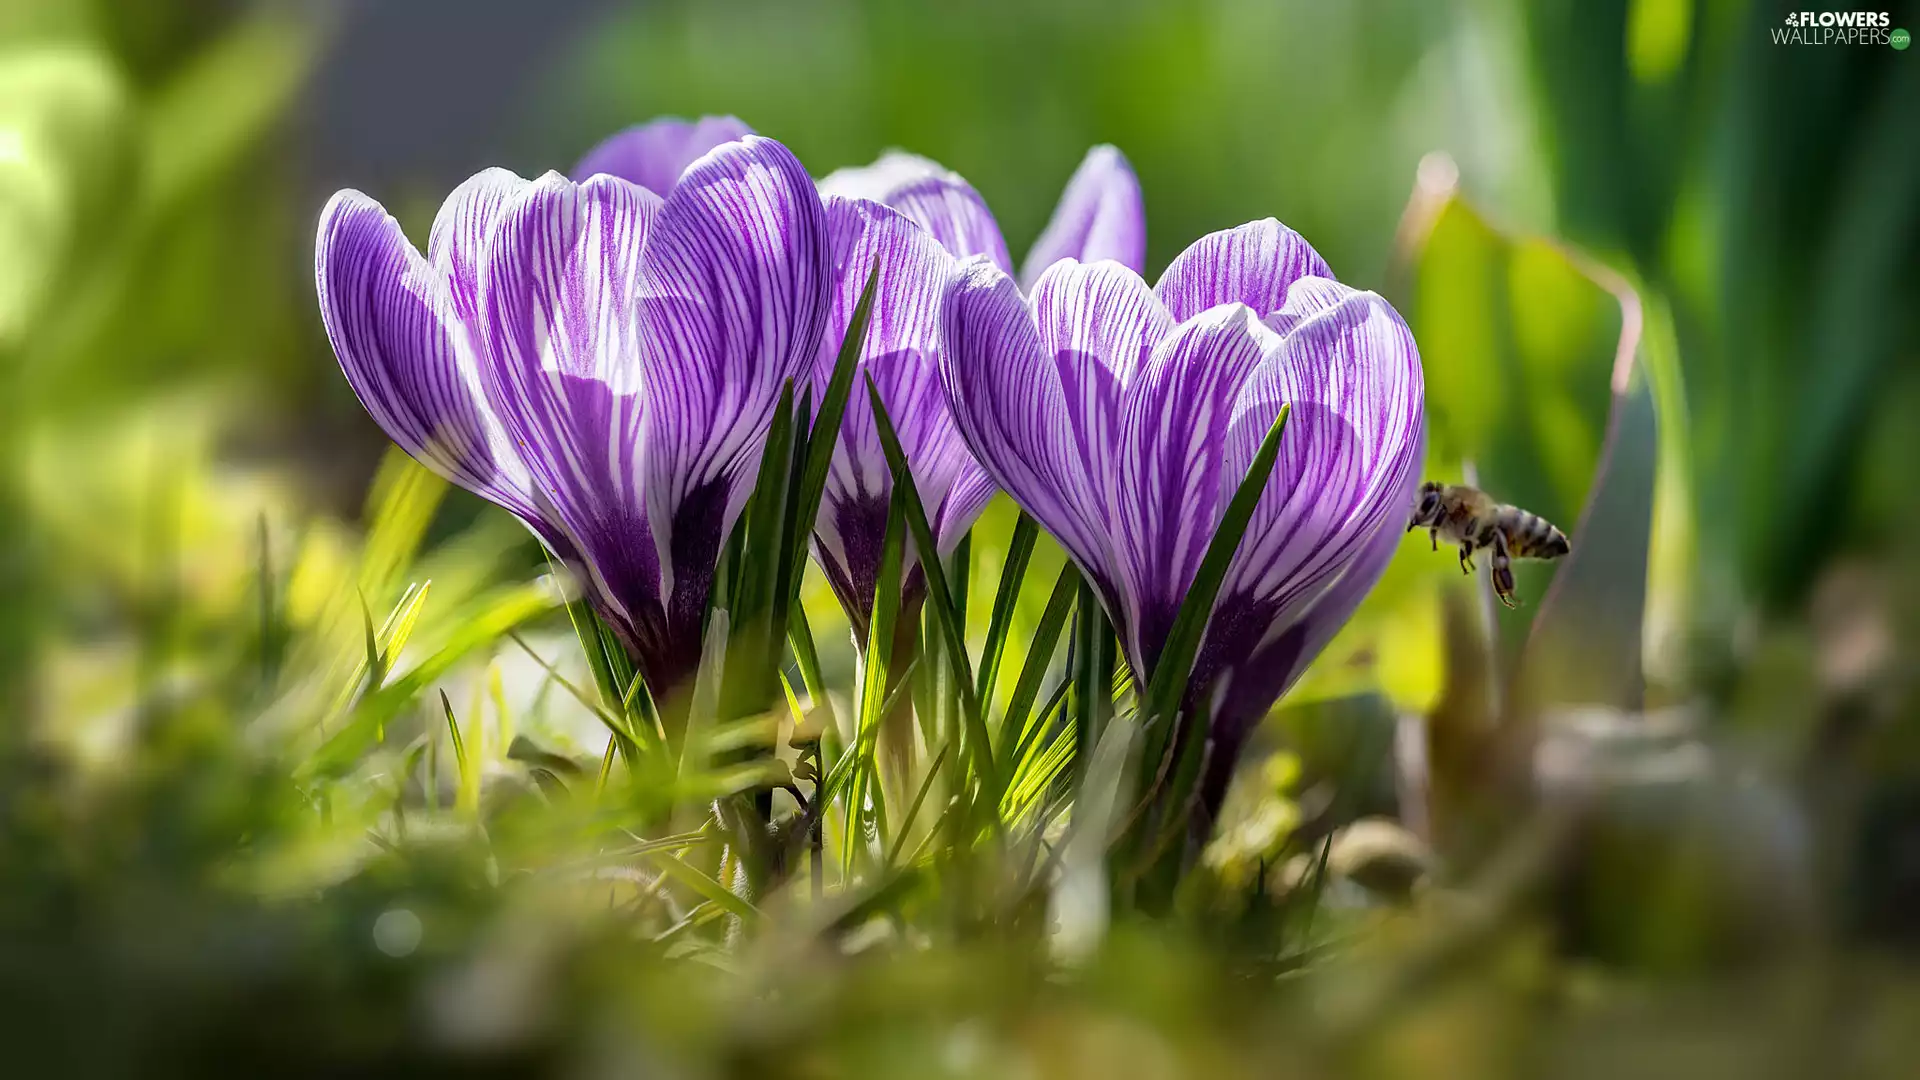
[1254,265]
[1100,216]
[458,240]
[1036,390]
[935,198]
[732,304]
[1175,475]
[1347,363]
[902,357]
[563,371]
[654,154]
[394,323]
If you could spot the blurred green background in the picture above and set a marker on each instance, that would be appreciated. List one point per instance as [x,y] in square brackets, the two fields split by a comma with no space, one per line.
[1658,265]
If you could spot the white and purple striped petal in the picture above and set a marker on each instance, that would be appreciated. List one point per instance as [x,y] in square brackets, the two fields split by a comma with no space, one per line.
[732,303]
[932,196]
[1036,391]
[1100,216]
[1254,265]
[397,328]
[1175,474]
[654,154]
[902,357]
[562,369]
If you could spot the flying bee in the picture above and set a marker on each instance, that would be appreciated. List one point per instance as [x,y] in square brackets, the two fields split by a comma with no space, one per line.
[1471,518]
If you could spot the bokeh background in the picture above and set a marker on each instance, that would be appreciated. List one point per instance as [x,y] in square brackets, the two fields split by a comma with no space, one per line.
[186,522]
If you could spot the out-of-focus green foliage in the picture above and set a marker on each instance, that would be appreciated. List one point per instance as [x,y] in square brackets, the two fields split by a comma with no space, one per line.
[65,162]
[289,777]
[1770,193]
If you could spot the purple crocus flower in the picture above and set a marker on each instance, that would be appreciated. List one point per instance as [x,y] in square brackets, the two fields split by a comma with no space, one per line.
[1124,417]
[601,361]
[911,218]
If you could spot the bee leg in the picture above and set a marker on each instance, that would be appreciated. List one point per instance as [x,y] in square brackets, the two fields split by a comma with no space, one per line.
[1466,556]
[1503,571]
[1434,535]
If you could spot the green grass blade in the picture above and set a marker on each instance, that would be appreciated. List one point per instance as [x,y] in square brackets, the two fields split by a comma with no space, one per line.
[1030,739]
[874,672]
[1017,727]
[806,655]
[826,424]
[919,800]
[1167,682]
[1006,597]
[939,600]
[600,712]
[1094,661]
[704,884]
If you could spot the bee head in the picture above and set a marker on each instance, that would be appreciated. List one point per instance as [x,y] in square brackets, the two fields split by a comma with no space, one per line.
[1427,510]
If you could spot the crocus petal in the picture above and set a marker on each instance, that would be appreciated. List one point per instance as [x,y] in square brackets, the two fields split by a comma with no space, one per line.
[1009,404]
[392,321]
[732,303]
[1347,363]
[900,356]
[1253,264]
[1258,679]
[1098,323]
[562,370]
[932,196]
[457,243]
[1100,216]
[1173,471]
[1036,392]
[654,154]
[972,490]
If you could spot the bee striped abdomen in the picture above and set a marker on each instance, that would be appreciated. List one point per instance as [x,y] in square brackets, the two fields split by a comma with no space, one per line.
[1530,536]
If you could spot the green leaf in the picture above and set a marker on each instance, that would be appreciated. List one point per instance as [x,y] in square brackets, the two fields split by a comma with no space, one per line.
[806,656]
[826,425]
[1093,673]
[1026,751]
[205,119]
[480,625]
[703,884]
[912,815]
[607,718]
[1019,727]
[1167,682]
[946,617]
[1586,642]
[1006,598]
[874,672]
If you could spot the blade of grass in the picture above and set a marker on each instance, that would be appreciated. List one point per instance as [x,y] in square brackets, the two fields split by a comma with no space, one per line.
[1036,732]
[1167,682]
[1006,597]
[940,602]
[600,712]
[704,885]
[919,799]
[1017,728]
[1094,652]
[874,671]
[825,433]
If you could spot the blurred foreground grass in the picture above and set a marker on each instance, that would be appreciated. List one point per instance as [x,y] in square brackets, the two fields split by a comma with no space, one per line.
[286,788]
